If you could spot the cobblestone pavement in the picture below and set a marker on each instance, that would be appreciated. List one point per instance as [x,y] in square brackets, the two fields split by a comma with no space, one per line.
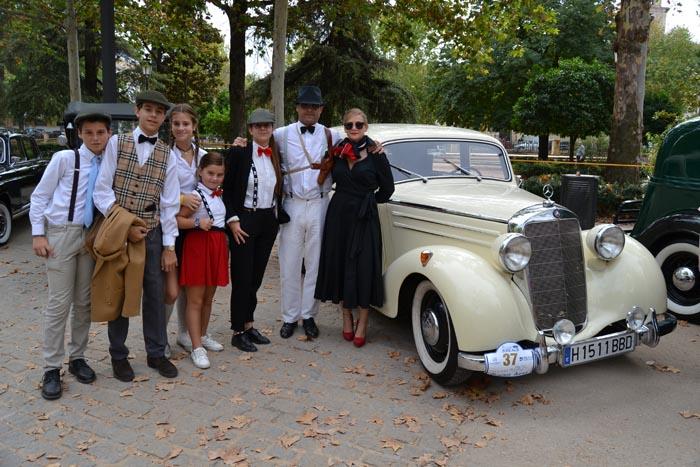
[323,402]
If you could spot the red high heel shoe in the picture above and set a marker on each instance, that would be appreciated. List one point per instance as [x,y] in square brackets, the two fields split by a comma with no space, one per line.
[358,341]
[349,335]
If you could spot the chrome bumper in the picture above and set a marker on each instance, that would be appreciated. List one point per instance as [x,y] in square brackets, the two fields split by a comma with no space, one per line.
[544,355]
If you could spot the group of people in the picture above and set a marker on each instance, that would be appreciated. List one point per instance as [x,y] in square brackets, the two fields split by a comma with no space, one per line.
[130,215]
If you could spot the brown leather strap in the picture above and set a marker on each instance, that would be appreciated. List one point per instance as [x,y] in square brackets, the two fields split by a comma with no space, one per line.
[74,190]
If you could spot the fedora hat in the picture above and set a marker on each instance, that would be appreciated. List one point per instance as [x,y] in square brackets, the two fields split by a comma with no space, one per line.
[309,95]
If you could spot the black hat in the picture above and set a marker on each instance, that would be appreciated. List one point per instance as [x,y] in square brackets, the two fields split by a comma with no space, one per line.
[92,116]
[261,116]
[152,96]
[309,95]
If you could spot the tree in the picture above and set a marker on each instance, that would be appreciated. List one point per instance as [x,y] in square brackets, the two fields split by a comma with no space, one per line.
[659,112]
[632,21]
[673,69]
[343,62]
[574,99]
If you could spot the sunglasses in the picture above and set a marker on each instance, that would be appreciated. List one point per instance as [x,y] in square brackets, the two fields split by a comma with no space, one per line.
[358,125]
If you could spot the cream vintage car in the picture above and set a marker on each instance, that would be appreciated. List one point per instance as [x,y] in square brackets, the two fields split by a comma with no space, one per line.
[499,280]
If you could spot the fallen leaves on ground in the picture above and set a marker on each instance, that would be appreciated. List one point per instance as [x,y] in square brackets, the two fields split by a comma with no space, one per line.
[239,421]
[35,457]
[409,421]
[303,338]
[141,378]
[376,421]
[307,418]
[174,452]
[391,443]
[269,390]
[394,354]
[662,368]
[165,386]
[689,414]
[288,440]
[529,399]
[165,431]
[126,393]
[450,442]
[440,395]
[245,358]
[230,456]
[3,388]
[493,422]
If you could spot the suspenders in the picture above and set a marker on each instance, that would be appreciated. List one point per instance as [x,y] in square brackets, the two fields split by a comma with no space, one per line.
[74,190]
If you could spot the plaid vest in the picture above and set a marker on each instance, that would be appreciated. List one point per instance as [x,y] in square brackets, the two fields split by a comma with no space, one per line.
[138,187]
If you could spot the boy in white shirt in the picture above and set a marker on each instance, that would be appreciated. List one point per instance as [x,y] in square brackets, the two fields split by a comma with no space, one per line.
[60,213]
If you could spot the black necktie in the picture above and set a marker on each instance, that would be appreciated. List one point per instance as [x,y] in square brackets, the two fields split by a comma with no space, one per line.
[309,128]
[144,139]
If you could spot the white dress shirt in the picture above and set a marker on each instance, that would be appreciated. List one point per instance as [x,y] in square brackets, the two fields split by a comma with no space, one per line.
[266,182]
[303,184]
[216,205]
[104,196]
[50,200]
[187,173]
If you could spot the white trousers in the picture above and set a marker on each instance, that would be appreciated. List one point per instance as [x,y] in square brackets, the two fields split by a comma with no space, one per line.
[300,240]
[69,273]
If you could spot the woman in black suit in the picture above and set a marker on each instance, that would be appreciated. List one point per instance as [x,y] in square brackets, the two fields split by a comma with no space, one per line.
[252,195]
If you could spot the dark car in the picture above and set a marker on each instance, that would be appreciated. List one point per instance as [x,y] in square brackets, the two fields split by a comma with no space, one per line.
[21,168]
[121,113]
[668,220]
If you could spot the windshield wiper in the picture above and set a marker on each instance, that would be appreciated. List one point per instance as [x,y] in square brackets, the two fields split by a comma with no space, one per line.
[408,172]
[462,169]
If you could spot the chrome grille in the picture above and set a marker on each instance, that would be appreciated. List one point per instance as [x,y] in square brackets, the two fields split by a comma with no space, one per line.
[556,276]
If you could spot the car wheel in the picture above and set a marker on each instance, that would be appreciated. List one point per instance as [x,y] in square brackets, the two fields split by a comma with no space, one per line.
[676,253]
[434,336]
[5,223]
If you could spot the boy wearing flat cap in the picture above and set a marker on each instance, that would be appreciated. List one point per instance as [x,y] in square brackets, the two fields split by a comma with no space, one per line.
[60,213]
[138,175]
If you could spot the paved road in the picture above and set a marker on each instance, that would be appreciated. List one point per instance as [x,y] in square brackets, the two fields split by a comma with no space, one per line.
[323,402]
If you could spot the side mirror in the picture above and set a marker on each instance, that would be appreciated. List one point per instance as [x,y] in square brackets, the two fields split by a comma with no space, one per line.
[62,140]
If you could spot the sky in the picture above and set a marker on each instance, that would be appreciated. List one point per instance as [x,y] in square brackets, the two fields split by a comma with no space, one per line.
[689,18]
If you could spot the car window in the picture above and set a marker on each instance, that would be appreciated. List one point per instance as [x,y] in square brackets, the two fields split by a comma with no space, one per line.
[16,149]
[2,151]
[29,149]
[436,158]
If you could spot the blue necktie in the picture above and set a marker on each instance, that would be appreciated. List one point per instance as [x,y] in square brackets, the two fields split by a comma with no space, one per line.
[89,206]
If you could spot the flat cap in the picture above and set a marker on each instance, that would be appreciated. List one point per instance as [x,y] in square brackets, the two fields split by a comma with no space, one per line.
[92,116]
[152,96]
[261,116]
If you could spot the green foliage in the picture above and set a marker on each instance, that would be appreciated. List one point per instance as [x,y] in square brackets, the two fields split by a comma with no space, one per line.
[574,99]
[214,119]
[673,68]
[660,112]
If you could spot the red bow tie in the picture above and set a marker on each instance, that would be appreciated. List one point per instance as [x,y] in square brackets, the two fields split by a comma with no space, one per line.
[346,151]
[265,151]
[218,192]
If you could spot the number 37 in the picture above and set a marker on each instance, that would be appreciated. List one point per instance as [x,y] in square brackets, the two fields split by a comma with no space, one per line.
[509,359]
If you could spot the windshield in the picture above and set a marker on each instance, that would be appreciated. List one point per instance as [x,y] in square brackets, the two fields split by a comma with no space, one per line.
[430,159]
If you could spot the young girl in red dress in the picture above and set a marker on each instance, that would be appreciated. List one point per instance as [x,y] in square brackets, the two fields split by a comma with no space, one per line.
[204,253]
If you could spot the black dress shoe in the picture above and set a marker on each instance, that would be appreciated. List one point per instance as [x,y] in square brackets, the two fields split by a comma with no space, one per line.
[81,370]
[122,370]
[310,328]
[51,385]
[164,366]
[243,342]
[287,330]
[256,337]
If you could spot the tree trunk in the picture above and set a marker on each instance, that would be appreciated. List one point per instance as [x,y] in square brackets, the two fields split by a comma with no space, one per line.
[279,42]
[572,146]
[632,21]
[236,87]
[543,150]
[73,59]
[92,60]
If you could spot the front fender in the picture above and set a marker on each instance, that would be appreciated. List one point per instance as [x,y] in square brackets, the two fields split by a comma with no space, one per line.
[486,307]
[686,222]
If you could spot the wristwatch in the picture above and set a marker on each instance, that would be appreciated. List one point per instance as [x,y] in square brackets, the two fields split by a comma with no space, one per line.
[169,247]
[196,222]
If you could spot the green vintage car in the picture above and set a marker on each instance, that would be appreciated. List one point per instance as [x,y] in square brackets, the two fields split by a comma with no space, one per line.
[668,223]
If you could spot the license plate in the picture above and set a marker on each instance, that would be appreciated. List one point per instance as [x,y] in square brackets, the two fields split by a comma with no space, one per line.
[595,349]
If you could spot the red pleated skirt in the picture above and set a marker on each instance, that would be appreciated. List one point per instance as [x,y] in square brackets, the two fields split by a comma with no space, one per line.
[204,259]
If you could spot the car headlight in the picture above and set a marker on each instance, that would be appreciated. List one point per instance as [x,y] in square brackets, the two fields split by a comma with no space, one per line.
[606,240]
[635,318]
[563,331]
[514,251]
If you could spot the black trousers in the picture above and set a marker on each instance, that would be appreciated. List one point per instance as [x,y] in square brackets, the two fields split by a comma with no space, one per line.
[248,263]
[152,306]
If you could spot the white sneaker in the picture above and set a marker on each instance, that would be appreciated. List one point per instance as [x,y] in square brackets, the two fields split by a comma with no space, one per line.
[199,358]
[211,344]
[184,341]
